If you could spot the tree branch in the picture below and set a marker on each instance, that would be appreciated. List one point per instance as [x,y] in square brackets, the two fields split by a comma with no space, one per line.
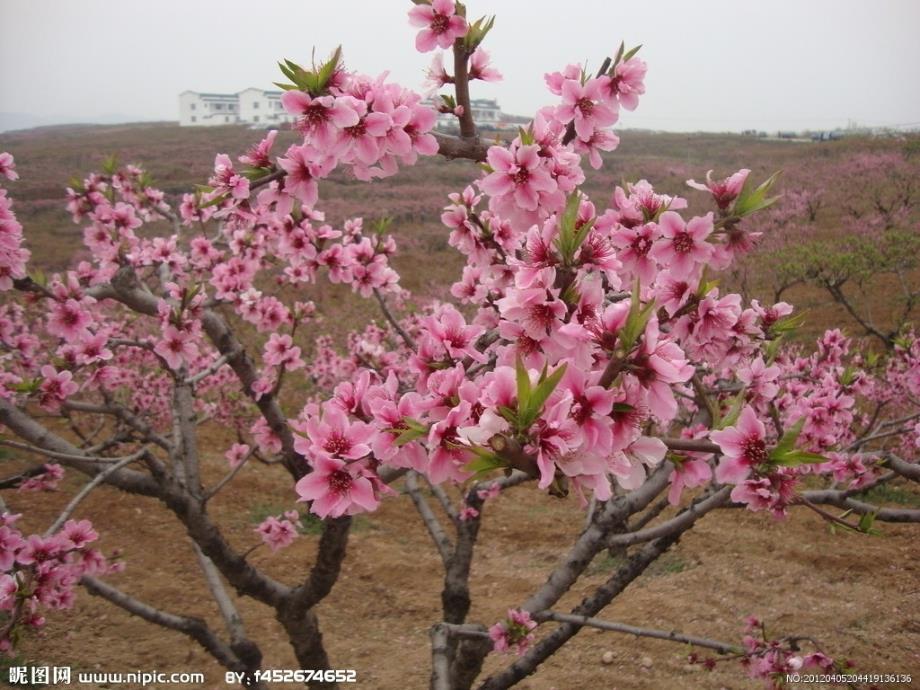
[438,535]
[195,628]
[671,635]
[92,484]
[407,339]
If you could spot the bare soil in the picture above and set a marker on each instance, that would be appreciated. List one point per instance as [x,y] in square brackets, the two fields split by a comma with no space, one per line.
[859,595]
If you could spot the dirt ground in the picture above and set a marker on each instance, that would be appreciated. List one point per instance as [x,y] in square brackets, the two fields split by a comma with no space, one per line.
[859,595]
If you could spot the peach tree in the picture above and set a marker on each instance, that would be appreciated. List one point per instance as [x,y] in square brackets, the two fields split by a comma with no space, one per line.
[589,351]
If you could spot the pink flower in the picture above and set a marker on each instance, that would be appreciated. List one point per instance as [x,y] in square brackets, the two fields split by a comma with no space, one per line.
[627,82]
[743,447]
[78,533]
[635,244]
[226,180]
[724,191]
[8,589]
[480,67]
[304,166]
[449,454]
[467,513]
[334,435]
[8,166]
[774,493]
[320,117]
[337,488]
[449,329]
[514,633]
[436,76]
[687,474]
[681,246]
[278,534]
[584,103]
[257,156]
[281,351]
[628,465]
[760,379]
[55,388]
[69,320]
[176,347]
[518,174]
[440,24]
[237,454]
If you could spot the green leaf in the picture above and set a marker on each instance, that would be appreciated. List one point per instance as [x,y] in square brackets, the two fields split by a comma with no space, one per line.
[29,386]
[866,523]
[753,200]
[38,277]
[788,323]
[287,71]
[522,377]
[476,32]
[794,458]
[848,376]
[532,398]
[787,442]
[636,320]
[526,136]
[571,236]
[733,412]
[485,461]
[213,202]
[544,389]
[772,349]
[631,53]
[328,69]
[618,56]
[508,414]
[110,164]
[416,430]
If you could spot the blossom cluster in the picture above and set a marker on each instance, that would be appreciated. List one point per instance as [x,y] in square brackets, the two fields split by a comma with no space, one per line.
[41,571]
[513,635]
[13,256]
[279,532]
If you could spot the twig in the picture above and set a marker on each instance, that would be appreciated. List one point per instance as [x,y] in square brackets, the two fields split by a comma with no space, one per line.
[462,89]
[442,497]
[204,373]
[438,535]
[671,635]
[676,524]
[407,339]
[90,485]
[208,495]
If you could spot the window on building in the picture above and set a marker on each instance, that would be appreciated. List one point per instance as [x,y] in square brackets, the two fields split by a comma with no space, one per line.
[194,119]
[255,118]
[193,106]
[226,118]
[255,106]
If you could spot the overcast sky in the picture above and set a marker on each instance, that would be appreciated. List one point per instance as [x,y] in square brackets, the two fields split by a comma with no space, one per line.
[713,64]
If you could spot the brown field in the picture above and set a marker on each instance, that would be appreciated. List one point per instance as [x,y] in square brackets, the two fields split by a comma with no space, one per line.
[859,595]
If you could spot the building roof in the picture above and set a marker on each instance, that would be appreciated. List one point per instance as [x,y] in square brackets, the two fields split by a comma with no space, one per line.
[232,96]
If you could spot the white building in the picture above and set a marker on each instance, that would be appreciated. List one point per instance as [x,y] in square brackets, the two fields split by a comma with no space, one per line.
[208,109]
[486,113]
[251,106]
[260,107]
